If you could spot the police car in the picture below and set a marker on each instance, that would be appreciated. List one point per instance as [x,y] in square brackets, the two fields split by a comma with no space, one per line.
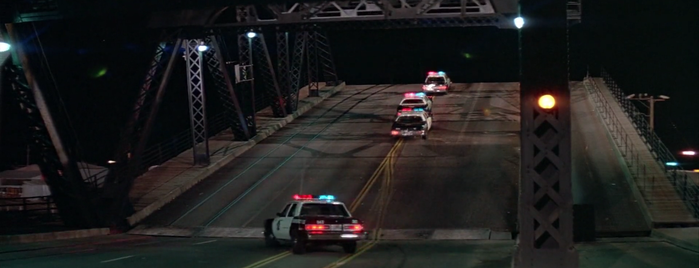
[314,220]
[415,100]
[412,123]
[436,83]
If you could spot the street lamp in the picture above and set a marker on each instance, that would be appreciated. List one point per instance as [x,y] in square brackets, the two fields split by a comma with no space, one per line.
[651,107]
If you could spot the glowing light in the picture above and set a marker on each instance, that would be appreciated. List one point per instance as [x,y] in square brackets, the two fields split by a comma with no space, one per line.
[431,73]
[4,46]
[547,101]
[111,162]
[441,73]
[252,34]
[519,22]
[689,153]
[671,164]
[327,197]
[696,170]
[202,48]
[302,196]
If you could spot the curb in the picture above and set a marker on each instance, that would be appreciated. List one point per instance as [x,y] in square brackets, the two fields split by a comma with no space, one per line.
[304,105]
[386,234]
[675,241]
[42,237]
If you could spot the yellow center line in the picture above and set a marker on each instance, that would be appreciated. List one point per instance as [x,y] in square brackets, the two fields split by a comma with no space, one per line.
[384,198]
[377,173]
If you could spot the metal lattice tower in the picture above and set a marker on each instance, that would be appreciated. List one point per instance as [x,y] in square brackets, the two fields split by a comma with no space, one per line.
[244,78]
[296,70]
[284,69]
[545,200]
[197,102]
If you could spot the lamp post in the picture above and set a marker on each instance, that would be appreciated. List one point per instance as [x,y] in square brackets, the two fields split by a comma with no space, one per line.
[651,104]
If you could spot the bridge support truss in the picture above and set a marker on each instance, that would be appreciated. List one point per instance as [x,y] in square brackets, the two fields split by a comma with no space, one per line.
[50,140]
[545,200]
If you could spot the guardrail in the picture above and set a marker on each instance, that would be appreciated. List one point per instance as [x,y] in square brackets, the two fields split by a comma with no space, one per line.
[26,210]
[689,192]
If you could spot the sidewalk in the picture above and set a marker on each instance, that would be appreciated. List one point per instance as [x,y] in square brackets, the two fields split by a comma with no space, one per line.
[663,203]
[687,238]
[159,186]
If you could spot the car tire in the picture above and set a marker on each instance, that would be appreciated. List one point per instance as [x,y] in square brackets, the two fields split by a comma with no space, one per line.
[350,247]
[270,240]
[298,247]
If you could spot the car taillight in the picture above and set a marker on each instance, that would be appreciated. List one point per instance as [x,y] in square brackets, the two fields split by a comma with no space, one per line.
[315,227]
[353,227]
[395,132]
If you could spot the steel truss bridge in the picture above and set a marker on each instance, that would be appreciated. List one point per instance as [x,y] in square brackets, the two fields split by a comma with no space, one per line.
[245,70]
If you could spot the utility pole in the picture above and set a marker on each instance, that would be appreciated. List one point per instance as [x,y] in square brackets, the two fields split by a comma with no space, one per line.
[651,104]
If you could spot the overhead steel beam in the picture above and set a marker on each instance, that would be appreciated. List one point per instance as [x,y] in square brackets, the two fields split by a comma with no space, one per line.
[284,70]
[545,199]
[216,58]
[297,60]
[197,101]
[325,59]
[312,63]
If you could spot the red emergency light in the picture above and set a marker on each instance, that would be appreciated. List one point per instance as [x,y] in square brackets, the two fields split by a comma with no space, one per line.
[431,73]
[303,196]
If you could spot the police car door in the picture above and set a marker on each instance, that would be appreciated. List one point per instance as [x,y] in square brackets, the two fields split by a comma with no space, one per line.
[281,229]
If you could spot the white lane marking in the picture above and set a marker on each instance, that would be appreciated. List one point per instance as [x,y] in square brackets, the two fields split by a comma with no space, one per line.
[118,259]
[205,242]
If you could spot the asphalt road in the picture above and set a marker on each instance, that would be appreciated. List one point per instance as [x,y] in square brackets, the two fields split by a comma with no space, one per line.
[463,176]
[157,252]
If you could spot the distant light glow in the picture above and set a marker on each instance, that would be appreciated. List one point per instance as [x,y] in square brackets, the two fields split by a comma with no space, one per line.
[671,164]
[202,48]
[696,170]
[111,162]
[519,22]
[547,101]
[252,34]
[689,153]
[441,73]
[4,46]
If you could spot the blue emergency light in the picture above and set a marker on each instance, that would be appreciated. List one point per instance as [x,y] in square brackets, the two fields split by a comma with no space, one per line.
[441,73]
[419,110]
[420,94]
[327,197]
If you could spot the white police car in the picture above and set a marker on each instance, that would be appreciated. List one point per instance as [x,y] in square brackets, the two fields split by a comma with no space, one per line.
[415,100]
[412,123]
[314,220]
[436,83]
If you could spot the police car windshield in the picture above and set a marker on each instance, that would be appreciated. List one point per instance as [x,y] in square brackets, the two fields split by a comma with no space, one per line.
[323,209]
[409,120]
[412,102]
[434,80]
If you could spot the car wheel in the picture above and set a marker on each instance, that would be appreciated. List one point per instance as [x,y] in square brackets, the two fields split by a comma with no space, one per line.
[299,246]
[270,240]
[350,247]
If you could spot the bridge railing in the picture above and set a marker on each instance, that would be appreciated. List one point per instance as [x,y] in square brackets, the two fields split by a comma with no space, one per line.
[27,210]
[688,191]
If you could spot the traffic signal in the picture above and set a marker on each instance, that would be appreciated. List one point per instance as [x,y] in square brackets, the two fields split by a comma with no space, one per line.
[547,102]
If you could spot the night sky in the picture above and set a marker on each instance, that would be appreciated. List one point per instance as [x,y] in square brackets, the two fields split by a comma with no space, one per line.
[646,46]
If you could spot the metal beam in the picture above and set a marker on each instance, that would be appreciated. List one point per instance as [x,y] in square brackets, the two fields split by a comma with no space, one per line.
[268,76]
[297,60]
[284,70]
[135,136]
[312,63]
[245,81]
[218,67]
[545,200]
[197,102]
[325,59]
[56,161]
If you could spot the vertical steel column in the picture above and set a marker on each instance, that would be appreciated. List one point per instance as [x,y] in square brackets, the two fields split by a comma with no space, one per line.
[283,70]
[56,162]
[245,78]
[268,77]
[296,67]
[216,58]
[325,56]
[197,102]
[312,59]
[545,201]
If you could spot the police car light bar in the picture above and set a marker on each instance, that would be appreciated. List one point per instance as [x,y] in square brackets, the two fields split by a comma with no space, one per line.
[431,73]
[310,197]
[413,94]
[419,110]
[440,73]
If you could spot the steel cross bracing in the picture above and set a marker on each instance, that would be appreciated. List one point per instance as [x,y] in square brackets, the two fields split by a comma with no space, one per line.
[546,199]
[134,137]
[56,155]
[216,59]
[385,14]
[197,101]
[244,78]
[312,63]
[267,76]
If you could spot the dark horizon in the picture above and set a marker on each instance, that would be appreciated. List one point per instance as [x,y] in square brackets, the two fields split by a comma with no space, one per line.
[98,76]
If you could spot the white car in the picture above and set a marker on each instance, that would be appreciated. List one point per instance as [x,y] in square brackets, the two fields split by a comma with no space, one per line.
[412,123]
[314,220]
